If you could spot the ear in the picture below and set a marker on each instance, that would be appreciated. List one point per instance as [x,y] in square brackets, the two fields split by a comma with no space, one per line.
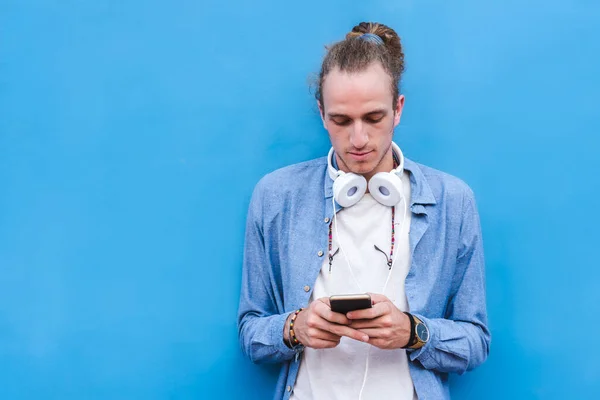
[321,113]
[398,110]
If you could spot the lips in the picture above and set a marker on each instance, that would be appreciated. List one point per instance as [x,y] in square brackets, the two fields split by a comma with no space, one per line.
[359,156]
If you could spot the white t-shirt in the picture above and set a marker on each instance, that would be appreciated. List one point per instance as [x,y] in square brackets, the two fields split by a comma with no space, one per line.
[338,373]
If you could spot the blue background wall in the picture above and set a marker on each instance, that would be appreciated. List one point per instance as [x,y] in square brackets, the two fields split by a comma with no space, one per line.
[132,134]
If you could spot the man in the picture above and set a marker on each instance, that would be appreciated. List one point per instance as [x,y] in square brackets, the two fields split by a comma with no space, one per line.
[362,220]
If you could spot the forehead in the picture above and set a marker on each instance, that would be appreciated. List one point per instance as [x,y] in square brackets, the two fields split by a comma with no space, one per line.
[357,92]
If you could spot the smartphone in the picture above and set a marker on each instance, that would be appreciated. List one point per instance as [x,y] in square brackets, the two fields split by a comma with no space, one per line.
[345,303]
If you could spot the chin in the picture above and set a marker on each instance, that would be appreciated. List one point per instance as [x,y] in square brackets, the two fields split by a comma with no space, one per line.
[362,168]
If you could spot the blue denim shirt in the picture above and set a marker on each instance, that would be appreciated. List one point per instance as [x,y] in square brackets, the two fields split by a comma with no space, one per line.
[286,239]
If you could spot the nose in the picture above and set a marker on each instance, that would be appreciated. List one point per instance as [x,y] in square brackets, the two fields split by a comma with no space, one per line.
[359,136]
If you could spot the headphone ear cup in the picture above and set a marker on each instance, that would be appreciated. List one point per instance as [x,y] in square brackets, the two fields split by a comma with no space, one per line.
[349,188]
[386,188]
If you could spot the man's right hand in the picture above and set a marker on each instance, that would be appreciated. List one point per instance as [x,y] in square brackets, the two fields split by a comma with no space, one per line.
[320,328]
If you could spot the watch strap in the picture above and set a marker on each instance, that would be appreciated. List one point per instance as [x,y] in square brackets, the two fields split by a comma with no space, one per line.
[413,334]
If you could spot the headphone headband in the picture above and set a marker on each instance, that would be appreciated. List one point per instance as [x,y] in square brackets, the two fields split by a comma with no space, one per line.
[399,170]
[333,173]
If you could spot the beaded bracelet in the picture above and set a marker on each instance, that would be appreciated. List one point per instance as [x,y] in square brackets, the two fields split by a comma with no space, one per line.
[293,339]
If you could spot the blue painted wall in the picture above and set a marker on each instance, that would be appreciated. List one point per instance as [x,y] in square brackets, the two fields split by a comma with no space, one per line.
[132,133]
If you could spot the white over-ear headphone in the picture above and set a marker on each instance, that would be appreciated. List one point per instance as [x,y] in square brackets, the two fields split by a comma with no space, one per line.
[385,187]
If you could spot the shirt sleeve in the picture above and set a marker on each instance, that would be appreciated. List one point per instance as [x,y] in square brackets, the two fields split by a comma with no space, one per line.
[461,341]
[260,324]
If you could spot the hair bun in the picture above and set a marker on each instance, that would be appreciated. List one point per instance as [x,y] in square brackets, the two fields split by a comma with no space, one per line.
[389,37]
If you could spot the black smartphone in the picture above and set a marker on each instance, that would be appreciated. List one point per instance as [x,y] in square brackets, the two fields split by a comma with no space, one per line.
[345,303]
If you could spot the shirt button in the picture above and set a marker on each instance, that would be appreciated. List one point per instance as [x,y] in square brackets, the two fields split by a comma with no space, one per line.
[307,288]
[326,220]
[320,253]
[289,388]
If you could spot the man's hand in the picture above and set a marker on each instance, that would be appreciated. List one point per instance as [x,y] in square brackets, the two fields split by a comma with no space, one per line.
[320,328]
[386,325]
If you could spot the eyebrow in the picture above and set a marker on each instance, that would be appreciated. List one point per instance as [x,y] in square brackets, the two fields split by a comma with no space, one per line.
[370,113]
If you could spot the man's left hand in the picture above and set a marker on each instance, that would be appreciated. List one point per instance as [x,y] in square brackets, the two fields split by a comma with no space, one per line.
[386,326]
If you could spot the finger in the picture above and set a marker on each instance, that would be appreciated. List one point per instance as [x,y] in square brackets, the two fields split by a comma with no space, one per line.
[380,343]
[315,333]
[316,321]
[342,330]
[309,331]
[377,333]
[369,313]
[379,322]
[324,311]
[313,323]
[322,344]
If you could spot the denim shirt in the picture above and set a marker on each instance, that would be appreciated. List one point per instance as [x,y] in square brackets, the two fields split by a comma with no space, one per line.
[286,240]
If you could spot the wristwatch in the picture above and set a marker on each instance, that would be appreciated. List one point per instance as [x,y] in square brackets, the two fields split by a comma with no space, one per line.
[419,334]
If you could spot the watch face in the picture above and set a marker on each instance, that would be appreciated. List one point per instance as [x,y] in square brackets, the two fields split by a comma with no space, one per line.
[422,332]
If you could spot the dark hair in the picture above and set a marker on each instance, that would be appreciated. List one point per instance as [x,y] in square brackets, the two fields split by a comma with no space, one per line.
[355,54]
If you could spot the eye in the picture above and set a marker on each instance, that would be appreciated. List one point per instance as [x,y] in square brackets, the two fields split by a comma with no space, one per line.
[340,121]
[374,120]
